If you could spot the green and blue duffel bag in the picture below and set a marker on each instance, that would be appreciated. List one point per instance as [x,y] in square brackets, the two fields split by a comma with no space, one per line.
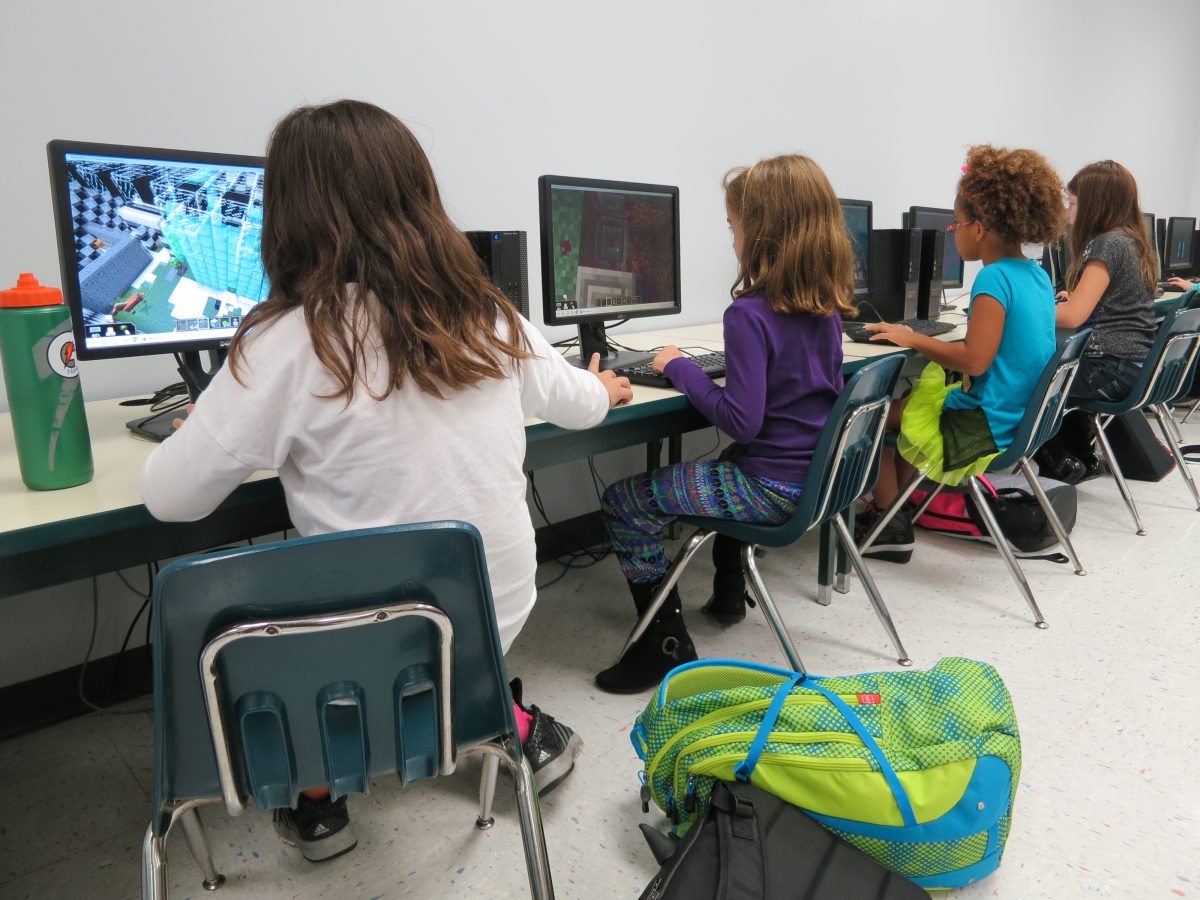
[916,769]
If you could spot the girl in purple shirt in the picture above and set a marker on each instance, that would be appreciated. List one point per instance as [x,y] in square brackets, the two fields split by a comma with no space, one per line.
[783,363]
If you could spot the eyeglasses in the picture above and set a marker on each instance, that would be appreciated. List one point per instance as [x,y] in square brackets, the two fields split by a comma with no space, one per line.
[954,226]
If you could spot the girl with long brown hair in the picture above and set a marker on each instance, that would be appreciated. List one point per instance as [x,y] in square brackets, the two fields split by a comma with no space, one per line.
[1110,283]
[783,360]
[386,379]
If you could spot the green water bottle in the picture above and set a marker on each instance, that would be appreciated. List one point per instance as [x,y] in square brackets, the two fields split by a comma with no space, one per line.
[42,380]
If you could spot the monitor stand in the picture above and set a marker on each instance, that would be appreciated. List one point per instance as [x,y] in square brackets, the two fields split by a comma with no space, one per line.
[159,426]
[592,339]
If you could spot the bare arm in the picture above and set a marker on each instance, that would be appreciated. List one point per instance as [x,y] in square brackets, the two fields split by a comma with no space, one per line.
[972,355]
[1082,301]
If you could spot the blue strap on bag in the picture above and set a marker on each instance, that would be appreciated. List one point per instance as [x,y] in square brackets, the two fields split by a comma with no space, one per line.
[746,767]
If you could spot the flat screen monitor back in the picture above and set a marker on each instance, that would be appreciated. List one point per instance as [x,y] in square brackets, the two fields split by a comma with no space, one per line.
[858,215]
[953,267]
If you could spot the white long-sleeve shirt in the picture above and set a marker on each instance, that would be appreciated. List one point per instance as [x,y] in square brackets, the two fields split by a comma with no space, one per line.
[408,458]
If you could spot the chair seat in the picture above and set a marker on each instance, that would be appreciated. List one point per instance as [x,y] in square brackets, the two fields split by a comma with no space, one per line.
[759,535]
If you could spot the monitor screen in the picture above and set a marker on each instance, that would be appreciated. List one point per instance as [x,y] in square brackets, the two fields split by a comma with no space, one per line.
[938,219]
[858,222]
[610,249]
[1180,232]
[160,249]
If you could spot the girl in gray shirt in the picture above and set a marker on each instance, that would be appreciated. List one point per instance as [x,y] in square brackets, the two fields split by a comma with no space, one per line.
[1111,290]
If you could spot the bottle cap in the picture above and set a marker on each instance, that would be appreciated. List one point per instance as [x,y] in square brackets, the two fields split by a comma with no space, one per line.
[29,292]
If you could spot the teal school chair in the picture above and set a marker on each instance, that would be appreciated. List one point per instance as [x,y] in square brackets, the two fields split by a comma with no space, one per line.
[1042,418]
[1164,376]
[326,661]
[845,464]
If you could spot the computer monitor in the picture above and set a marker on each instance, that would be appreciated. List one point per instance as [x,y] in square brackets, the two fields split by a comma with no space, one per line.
[925,217]
[159,250]
[610,250]
[1178,252]
[858,216]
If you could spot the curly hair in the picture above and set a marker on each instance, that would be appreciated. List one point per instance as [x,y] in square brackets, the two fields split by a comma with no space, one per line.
[1015,193]
[796,249]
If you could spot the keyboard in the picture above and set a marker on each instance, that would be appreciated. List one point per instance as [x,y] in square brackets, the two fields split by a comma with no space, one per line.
[857,331]
[712,364]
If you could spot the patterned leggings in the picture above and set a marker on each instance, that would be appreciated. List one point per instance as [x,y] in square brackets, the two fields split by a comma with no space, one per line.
[637,509]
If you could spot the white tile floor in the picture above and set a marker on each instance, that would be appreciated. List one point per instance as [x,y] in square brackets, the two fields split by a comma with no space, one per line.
[1107,699]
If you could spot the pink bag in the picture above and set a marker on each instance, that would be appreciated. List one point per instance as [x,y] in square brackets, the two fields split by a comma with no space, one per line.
[949,514]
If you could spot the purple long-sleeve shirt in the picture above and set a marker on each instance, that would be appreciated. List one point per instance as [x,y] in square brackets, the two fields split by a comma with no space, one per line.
[783,373]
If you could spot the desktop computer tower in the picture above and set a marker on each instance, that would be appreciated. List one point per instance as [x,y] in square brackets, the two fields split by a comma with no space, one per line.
[1195,273]
[506,259]
[929,284]
[895,274]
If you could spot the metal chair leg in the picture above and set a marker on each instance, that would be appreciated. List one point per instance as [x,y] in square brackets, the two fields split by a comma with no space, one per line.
[770,613]
[487,792]
[1189,413]
[1001,543]
[1055,522]
[888,513]
[197,841]
[533,837]
[1167,422]
[1110,460]
[154,865]
[690,548]
[1163,417]
[842,564]
[828,563]
[864,576]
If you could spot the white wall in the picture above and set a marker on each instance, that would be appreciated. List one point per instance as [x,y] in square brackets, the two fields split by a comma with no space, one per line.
[886,95]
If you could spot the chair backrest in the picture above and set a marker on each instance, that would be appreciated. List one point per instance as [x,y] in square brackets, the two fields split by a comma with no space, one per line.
[845,461]
[318,697]
[1043,415]
[1164,373]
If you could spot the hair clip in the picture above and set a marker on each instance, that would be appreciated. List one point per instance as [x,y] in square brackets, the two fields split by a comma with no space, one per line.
[966,168]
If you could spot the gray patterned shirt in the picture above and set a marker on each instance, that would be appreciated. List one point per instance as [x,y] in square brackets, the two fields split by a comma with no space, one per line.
[1123,321]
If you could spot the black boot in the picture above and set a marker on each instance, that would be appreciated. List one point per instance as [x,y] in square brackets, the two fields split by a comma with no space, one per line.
[665,645]
[729,598]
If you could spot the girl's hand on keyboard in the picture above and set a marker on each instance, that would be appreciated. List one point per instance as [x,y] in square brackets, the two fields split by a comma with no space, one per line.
[619,391]
[900,335]
[664,356]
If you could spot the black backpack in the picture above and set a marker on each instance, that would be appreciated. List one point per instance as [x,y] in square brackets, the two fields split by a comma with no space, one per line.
[752,845]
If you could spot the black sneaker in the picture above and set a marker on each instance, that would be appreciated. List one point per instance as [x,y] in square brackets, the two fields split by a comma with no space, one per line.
[894,543]
[320,829]
[551,746]
[1066,468]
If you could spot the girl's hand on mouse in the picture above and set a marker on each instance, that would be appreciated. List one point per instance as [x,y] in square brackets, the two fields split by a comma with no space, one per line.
[1180,284]
[619,391]
[664,356]
[900,335]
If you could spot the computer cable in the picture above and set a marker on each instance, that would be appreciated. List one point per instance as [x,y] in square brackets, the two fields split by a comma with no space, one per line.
[87,659]
[133,622]
[562,535]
